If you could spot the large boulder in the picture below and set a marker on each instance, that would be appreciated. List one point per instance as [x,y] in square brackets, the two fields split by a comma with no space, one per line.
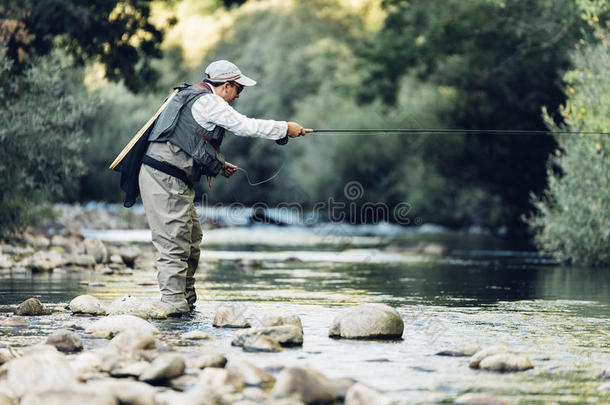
[32,307]
[111,325]
[305,384]
[40,369]
[285,335]
[65,341]
[368,321]
[230,316]
[87,305]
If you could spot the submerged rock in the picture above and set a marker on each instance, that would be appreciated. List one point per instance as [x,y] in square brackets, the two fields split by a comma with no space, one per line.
[306,385]
[65,341]
[478,399]
[111,325]
[360,394]
[87,305]
[230,316]
[368,321]
[164,367]
[285,335]
[505,362]
[465,351]
[32,307]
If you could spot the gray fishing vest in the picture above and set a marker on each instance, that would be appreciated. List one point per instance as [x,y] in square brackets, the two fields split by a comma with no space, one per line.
[177,125]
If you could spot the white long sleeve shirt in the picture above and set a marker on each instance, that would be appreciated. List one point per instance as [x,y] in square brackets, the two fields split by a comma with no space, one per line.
[210,110]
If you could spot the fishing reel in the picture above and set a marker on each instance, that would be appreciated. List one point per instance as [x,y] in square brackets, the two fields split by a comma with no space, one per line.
[283,141]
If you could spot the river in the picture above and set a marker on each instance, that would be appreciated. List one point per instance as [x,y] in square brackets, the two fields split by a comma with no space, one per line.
[486,291]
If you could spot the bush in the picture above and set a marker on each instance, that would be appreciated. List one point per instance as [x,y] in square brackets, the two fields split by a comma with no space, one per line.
[41,117]
[573,218]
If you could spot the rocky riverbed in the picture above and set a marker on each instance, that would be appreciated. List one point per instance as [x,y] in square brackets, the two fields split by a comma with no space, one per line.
[285,328]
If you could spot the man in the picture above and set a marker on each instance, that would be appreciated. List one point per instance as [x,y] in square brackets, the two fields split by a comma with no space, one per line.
[184,144]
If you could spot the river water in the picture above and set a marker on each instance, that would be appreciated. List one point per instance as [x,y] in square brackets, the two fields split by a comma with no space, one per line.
[486,291]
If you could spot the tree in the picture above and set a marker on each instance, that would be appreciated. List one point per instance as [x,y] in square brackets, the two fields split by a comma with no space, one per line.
[116,33]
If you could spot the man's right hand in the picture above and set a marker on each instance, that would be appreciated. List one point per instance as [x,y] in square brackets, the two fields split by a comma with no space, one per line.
[295,130]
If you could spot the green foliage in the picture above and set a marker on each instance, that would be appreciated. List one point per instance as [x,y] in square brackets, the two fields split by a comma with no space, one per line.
[41,118]
[573,218]
[116,33]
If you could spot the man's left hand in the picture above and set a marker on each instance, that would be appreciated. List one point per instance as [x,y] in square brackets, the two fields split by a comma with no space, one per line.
[229,169]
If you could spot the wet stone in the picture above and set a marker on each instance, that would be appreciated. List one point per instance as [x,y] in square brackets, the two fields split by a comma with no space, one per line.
[368,321]
[87,305]
[230,316]
[15,321]
[146,309]
[131,340]
[164,367]
[261,344]
[123,370]
[465,351]
[248,373]
[111,325]
[505,362]
[285,335]
[305,384]
[282,320]
[486,352]
[360,394]
[208,360]
[32,307]
[65,341]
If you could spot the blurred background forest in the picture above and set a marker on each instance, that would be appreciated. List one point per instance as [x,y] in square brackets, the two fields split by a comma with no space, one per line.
[80,77]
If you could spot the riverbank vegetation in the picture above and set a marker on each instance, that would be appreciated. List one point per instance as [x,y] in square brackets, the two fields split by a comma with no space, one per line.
[481,64]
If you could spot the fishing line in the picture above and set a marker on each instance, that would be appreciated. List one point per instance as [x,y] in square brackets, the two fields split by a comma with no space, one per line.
[263,181]
[451,131]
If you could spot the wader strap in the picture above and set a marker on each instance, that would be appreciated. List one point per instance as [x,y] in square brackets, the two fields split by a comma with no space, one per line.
[167,169]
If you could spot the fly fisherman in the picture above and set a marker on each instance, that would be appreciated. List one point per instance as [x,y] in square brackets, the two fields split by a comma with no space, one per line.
[183,145]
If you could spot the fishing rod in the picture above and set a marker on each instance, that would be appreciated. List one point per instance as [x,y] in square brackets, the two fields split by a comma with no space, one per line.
[384,131]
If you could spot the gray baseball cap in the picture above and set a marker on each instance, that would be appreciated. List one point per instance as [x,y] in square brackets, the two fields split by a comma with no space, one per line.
[225,71]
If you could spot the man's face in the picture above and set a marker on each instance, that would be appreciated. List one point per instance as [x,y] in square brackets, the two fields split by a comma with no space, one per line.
[230,91]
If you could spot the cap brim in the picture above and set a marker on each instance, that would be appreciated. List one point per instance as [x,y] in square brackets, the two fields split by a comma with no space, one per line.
[245,81]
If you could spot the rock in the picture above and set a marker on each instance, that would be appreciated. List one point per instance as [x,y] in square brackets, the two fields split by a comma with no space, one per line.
[127,392]
[65,341]
[219,378]
[360,394]
[505,362]
[37,241]
[87,261]
[87,305]
[111,325]
[604,375]
[195,335]
[131,340]
[255,394]
[305,384]
[478,399]
[129,254]
[40,369]
[68,397]
[261,344]
[6,262]
[122,370]
[16,250]
[208,360]
[32,307]
[15,321]
[282,320]
[6,355]
[85,365]
[342,385]
[164,367]
[488,351]
[230,316]
[45,261]
[97,249]
[286,335]
[465,351]
[184,382]
[116,259]
[368,321]
[248,373]
[149,309]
